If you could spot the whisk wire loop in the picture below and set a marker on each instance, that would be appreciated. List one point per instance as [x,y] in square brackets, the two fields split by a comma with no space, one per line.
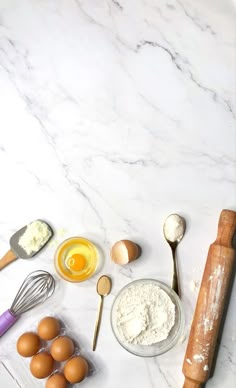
[36,288]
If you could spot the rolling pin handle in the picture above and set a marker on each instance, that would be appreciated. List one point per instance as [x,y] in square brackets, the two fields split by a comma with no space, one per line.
[189,383]
[226,228]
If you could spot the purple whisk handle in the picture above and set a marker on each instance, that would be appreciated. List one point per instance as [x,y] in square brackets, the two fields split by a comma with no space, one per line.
[7,319]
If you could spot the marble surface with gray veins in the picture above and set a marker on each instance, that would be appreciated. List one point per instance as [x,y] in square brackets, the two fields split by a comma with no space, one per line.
[114,114]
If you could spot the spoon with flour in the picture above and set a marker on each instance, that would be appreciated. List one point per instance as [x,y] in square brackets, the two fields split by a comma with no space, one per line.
[174,229]
[27,242]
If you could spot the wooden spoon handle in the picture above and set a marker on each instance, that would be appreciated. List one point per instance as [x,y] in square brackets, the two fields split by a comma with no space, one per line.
[98,321]
[8,258]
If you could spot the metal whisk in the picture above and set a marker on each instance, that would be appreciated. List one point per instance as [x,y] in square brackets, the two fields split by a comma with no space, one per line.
[36,288]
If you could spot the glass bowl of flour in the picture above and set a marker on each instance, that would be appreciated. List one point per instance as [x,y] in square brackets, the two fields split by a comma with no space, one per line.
[147,317]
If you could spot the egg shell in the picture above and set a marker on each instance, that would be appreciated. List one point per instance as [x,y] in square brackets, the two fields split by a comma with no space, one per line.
[41,365]
[28,344]
[56,381]
[48,328]
[76,369]
[125,251]
[62,348]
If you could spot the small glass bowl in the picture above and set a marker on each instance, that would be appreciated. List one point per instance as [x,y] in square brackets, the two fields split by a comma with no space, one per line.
[76,259]
[159,347]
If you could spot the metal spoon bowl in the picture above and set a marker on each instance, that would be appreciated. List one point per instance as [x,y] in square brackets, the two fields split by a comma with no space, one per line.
[173,237]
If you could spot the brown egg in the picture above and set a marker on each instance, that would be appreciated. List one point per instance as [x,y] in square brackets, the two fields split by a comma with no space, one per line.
[41,365]
[28,344]
[76,369]
[56,381]
[48,328]
[124,251]
[62,348]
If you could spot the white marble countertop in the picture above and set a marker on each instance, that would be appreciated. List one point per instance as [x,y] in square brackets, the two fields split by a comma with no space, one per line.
[114,114]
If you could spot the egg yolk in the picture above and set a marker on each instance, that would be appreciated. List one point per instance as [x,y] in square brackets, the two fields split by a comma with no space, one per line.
[77,262]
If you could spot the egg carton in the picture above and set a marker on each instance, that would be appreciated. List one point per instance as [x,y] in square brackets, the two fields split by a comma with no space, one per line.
[19,367]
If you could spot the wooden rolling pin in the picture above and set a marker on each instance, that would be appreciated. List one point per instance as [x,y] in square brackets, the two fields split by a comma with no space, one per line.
[210,304]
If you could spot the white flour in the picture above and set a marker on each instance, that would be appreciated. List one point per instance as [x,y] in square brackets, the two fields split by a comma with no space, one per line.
[174,227]
[198,357]
[145,314]
[35,236]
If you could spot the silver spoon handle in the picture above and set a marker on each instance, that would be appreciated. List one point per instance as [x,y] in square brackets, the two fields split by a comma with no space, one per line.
[175,279]
[98,321]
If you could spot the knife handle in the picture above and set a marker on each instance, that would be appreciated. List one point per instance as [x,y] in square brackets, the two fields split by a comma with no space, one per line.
[8,258]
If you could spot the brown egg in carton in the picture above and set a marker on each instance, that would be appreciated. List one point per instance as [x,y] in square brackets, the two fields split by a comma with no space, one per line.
[55,355]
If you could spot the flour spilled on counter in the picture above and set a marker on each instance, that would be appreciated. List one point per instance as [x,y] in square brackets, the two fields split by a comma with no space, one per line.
[145,314]
[194,286]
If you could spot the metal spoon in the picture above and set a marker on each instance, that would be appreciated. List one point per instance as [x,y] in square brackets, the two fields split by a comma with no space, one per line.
[174,229]
[103,289]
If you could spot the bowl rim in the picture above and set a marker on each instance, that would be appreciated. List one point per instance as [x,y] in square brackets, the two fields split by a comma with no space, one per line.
[178,302]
